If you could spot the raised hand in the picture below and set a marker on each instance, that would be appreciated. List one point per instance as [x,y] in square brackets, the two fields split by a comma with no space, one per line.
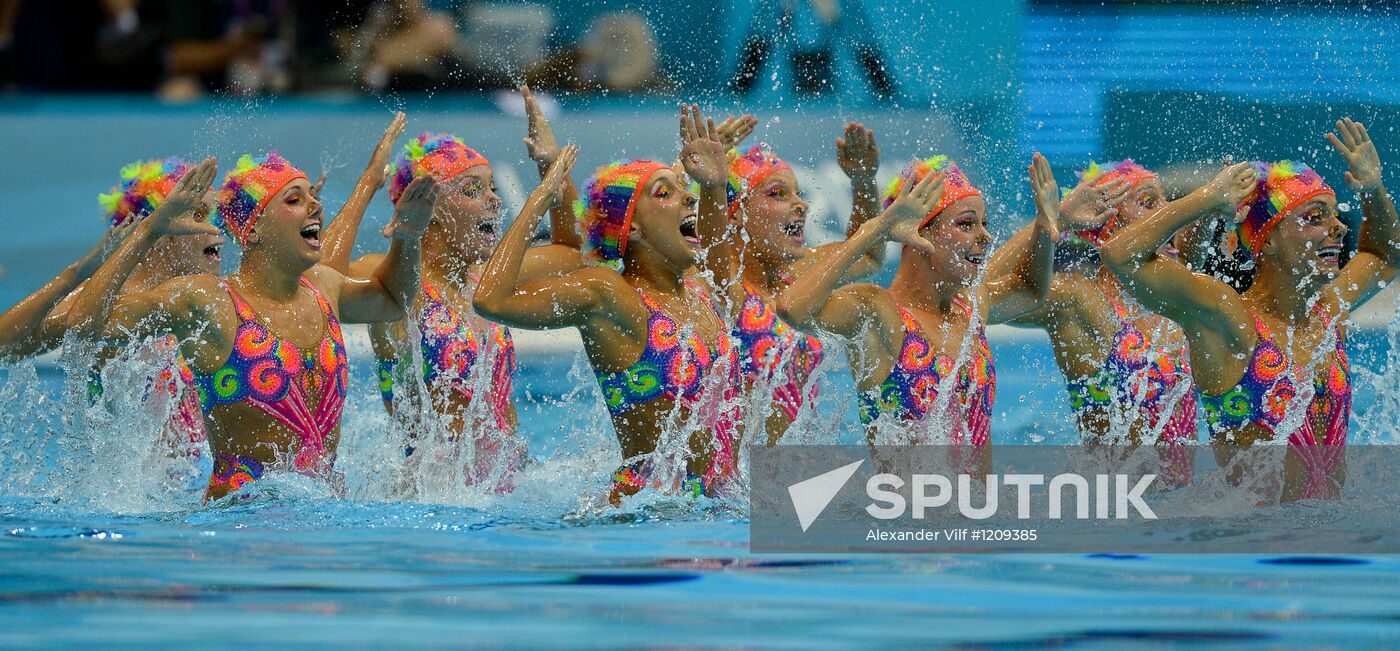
[733,130]
[319,184]
[553,181]
[857,153]
[414,211]
[1090,205]
[901,221]
[539,139]
[704,156]
[1359,152]
[1233,184]
[379,169]
[181,213]
[1047,196]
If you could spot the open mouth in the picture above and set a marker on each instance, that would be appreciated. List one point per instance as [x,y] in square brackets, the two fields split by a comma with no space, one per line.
[212,252]
[489,228]
[311,234]
[1330,254]
[975,258]
[1170,251]
[688,229]
[796,229]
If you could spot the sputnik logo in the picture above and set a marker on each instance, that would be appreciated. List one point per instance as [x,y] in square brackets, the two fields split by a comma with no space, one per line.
[811,496]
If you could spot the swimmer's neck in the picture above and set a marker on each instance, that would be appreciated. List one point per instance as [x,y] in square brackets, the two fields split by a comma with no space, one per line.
[761,273]
[651,275]
[915,285]
[275,282]
[1281,301]
[448,263]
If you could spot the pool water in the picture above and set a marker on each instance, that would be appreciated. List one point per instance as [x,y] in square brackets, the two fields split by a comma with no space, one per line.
[544,566]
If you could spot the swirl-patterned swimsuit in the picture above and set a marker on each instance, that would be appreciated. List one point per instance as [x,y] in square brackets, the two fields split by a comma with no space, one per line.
[1263,397]
[451,346]
[1144,376]
[276,377]
[674,366]
[911,389]
[771,353]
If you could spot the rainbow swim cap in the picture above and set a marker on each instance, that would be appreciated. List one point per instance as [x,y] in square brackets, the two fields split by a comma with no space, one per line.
[247,189]
[1106,174]
[1282,187]
[440,155]
[144,185]
[612,197]
[747,171]
[955,183]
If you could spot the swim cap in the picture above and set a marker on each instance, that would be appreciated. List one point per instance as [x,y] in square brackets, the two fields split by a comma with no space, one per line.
[440,155]
[1282,187]
[1106,174]
[955,183]
[144,185]
[248,188]
[747,171]
[612,197]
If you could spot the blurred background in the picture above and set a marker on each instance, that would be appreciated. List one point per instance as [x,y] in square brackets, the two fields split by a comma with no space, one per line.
[88,85]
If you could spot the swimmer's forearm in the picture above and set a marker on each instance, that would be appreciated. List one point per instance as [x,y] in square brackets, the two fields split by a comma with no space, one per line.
[801,303]
[399,272]
[563,225]
[502,272]
[340,235]
[717,242]
[865,206]
[1380,230]
[20,325]
[92,307]
[1125,252]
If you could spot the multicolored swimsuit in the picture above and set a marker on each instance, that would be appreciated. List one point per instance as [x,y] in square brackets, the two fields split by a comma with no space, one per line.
[451,345]
[911,389]
[1263,397]
[675,368]
[1143,375]
[276,377]
[771,353]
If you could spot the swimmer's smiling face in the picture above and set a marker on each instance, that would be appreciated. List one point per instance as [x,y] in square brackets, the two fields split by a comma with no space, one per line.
[469,213]
[774,217]
[1307,242]
[665,220]
[290,225]
[960,239]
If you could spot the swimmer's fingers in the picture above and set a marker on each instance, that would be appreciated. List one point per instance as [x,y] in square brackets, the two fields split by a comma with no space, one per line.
[1116,193]
[414,209]
[559,170]
[379,168]
[1241,214]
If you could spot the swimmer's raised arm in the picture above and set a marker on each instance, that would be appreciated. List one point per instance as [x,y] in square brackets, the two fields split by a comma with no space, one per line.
[97,312]
[544,149]
[706,161]
[1019,272]
[1196,301]
[814,303]
[340,235]
[36,324]
[389,291]
[859,157]
[1377,258]
[505,297]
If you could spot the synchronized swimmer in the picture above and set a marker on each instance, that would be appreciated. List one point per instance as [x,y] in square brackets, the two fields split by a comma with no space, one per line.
[705,314]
